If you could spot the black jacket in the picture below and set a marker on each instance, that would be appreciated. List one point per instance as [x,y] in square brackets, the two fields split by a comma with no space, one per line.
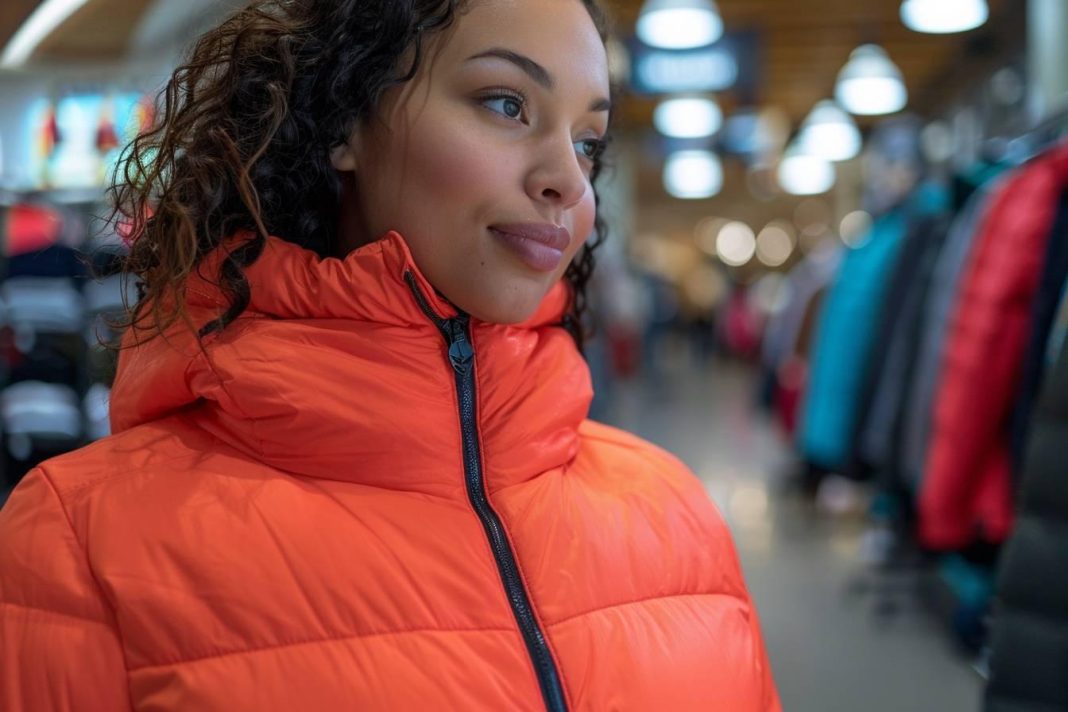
[1054,273]
[1029,663]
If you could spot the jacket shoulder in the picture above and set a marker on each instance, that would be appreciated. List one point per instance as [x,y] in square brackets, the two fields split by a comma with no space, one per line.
[107,484]
[139,453]
[610,446]
[46,516]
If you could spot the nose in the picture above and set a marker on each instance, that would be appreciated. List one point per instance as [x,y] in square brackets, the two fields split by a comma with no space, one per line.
[556,176]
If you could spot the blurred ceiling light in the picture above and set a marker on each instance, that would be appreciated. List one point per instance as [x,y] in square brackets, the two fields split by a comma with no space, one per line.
[736,244]
[693,174]
[49,15]
[774,245]
[870,84]
[705,232]
[804,174]
[688,117]
[679,24]
[856,228]
[830,133]
[944,16]
[787,226]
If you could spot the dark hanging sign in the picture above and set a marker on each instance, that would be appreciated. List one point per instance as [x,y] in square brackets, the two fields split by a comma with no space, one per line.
[729,64]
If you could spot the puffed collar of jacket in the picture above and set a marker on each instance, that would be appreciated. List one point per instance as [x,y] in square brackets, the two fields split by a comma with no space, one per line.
[334,371]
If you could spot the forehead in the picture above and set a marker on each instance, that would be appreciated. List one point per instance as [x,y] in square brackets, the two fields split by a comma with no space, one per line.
[558,34]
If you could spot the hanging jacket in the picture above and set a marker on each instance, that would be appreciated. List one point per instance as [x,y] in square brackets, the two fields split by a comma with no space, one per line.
[356,498]
[966,490]
[802,283]
[1029,636]
[923,210]
[938,310]
[784,352]
[844,339]
[881,421]
[1043,311]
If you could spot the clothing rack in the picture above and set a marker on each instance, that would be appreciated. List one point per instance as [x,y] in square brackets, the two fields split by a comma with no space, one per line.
[1039,137]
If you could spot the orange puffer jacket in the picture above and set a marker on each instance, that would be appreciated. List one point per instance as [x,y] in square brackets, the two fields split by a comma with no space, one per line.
[356,499]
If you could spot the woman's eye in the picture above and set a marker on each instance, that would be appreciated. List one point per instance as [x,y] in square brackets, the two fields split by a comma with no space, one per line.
[590,148]
[508,106]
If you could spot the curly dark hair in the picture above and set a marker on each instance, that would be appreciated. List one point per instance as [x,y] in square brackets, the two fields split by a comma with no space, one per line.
[242,139]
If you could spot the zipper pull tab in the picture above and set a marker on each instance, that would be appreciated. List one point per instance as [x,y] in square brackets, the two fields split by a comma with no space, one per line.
[461,353]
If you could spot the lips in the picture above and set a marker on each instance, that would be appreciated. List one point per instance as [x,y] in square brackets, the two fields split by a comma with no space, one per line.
[540,245]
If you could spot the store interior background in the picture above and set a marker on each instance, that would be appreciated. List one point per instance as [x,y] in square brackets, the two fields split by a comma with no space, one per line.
[707,337]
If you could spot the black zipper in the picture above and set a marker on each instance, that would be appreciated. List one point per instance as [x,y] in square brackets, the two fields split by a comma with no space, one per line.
[461,356]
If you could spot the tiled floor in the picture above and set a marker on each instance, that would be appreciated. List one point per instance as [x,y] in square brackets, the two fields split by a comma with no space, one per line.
[829,651]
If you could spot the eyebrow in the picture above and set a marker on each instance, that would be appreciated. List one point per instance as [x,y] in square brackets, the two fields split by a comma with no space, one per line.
[534,70]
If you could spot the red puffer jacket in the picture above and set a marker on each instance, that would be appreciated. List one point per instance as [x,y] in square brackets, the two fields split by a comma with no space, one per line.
[967,488]
[355,499]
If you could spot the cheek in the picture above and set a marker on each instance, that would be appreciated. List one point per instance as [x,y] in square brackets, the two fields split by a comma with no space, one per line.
[454,164]
[584,217]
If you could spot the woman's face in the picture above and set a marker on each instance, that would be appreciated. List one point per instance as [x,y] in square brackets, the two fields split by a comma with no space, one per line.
[482,161]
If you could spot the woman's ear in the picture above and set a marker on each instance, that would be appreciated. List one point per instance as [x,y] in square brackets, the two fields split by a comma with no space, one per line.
[343,157]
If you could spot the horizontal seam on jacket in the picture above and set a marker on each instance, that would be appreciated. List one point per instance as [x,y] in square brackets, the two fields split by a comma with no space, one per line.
[121,473]
[636,601]
[113,474]
[53,612]
[316,641]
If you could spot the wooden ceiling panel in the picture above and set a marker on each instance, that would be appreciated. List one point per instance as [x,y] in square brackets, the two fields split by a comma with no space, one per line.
[12,14]
[100,30]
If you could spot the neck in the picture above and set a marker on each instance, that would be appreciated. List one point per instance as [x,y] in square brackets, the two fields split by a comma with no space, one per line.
[352,231]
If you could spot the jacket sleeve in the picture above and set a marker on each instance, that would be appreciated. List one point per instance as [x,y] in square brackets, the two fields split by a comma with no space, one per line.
[59,646]
[771,702]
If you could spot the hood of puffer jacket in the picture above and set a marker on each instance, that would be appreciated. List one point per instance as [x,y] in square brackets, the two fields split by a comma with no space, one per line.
[335,372]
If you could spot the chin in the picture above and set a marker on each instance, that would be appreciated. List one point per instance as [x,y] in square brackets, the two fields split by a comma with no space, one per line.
[509,307]
[500,314]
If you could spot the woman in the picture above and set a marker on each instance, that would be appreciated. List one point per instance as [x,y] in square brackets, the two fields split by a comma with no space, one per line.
[350,466]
